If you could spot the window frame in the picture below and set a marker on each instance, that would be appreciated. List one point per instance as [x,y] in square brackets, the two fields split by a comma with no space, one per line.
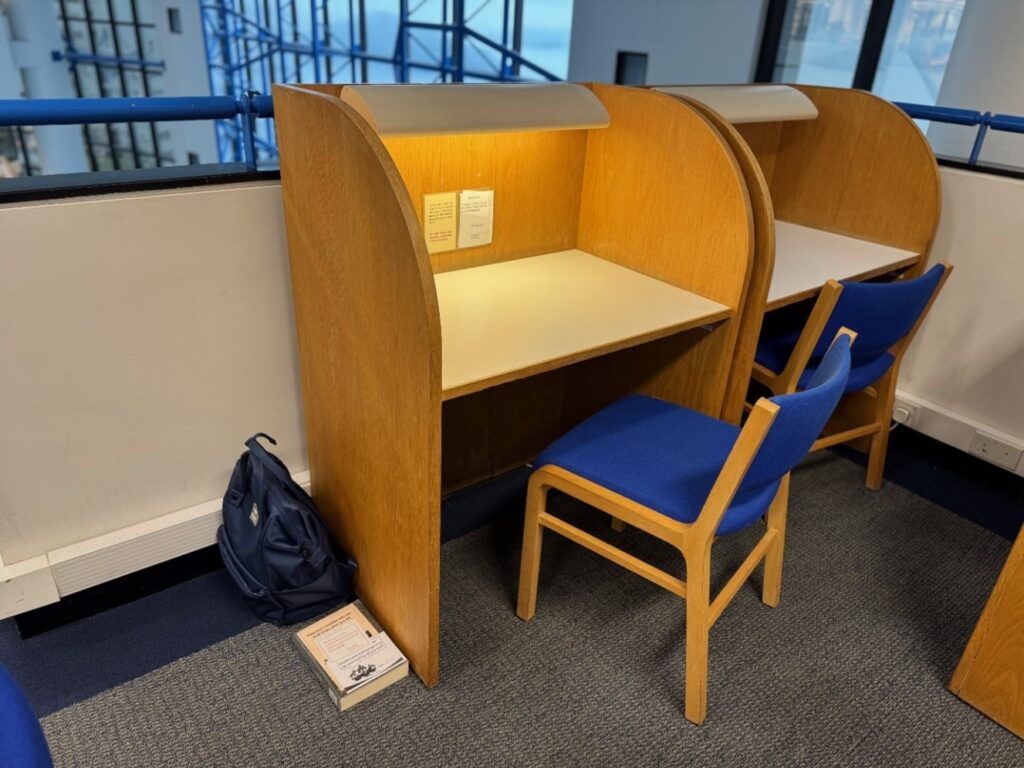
[870,47]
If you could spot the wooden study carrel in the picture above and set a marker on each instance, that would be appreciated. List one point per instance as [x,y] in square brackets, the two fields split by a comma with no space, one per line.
[620,249]
[843,186]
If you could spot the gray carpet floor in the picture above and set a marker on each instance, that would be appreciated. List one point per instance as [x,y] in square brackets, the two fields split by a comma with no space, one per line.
[880,593]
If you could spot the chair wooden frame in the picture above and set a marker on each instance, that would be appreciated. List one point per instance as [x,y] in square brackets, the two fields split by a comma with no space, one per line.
[693,540]
[869,411]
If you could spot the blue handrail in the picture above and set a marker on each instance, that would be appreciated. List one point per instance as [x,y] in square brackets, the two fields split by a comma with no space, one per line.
[25,112]
[249,107]
[984,121]
[82,111]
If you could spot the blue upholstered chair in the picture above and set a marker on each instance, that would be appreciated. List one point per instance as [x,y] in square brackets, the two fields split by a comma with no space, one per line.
[885,317]
[685,478]
[22,744]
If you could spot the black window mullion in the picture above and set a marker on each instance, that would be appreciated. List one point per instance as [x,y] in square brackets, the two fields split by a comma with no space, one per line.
[99,81]
[124,83]
[771,38]
[93,162]
[871,46]
[144,74]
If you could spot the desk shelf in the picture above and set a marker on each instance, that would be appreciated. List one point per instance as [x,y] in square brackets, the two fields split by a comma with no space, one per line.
[513,319]
[806,258]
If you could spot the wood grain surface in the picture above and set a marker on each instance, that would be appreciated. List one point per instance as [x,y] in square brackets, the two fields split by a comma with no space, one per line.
[370,357]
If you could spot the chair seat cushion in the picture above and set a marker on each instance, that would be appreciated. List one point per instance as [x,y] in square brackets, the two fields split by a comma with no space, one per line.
[22,743]
[773,353]
[658,454]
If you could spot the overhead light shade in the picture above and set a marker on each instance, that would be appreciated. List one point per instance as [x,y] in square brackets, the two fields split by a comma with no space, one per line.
[423,110]
[749,103]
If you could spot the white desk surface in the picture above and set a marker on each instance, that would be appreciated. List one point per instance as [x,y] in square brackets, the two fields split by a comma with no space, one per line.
[513,319]
[806,258]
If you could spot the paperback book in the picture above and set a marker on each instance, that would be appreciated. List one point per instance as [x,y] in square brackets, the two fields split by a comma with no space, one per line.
[350,655]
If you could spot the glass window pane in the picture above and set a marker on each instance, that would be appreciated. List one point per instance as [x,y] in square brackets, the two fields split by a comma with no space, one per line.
[916,49]
[547,27]
[821,42]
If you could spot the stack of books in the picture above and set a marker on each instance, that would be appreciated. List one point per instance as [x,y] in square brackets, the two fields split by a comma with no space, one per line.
[350,655]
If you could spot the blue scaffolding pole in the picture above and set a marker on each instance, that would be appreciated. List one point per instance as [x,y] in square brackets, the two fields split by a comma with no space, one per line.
[250,45]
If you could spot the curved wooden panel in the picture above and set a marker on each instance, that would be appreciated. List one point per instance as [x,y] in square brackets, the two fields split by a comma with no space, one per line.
[664,195]
[370,356]
[761,268]
[862,168]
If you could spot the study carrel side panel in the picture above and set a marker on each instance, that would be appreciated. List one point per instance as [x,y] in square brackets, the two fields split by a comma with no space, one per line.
[762,265]
[370,356]
[664,195]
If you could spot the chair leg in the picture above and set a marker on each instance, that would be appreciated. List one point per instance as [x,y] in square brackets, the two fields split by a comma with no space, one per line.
[698,630]
[879,445]
[775,519]
[529,564]
[876,458]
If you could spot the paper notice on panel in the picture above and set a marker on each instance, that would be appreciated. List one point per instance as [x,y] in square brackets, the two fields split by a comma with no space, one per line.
[476,217]
[439,222]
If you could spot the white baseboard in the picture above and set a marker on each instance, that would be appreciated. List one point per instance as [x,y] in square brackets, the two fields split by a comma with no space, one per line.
[949,427]
[45,579]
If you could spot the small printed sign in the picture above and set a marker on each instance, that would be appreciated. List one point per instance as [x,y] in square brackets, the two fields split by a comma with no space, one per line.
[476,217]
[440,218]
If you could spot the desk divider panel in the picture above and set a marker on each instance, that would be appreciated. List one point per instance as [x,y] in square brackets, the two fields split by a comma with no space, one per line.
[761,268]
[664,195]
[369,337]
[369,325]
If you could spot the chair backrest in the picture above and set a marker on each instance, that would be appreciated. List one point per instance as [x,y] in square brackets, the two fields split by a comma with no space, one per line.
[800,418]
[22,743]
[880,313]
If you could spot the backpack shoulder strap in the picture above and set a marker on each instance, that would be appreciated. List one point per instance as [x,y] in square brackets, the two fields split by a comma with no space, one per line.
[267,459]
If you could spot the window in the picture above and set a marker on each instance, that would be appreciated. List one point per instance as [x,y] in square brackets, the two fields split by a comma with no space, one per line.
[820,41]
[897,48]
[916,50]
[174,20]
[631,68]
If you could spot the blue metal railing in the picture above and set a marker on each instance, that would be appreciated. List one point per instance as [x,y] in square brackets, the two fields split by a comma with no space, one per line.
[248,108]
[984,121]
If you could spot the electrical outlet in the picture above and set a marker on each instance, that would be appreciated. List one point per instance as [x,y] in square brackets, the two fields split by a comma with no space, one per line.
[905,413]
[995,450]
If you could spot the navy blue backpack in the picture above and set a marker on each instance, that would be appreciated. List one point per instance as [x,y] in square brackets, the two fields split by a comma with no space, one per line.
[274,544]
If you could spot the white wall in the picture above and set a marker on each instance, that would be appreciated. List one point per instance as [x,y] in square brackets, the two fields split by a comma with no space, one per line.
[143,338]
[687,41]
[967,362]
